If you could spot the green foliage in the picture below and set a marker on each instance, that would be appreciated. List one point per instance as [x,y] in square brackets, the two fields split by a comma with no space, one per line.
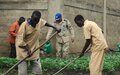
[112,63]
[7,62]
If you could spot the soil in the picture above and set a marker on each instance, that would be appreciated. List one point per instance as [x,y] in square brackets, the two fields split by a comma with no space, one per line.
[65,72]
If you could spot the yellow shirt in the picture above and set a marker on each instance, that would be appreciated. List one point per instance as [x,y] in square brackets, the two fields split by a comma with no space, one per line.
[28,35]
[92,31]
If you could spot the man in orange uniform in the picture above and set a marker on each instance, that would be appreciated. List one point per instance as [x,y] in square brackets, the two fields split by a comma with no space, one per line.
[13,32]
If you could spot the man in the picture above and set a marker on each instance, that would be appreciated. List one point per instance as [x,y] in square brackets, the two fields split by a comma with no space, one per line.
[63,38]
[28,40]
[94,36]
[13,32]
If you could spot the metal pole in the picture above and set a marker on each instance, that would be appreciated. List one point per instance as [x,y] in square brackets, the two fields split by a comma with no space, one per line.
[66,65]
[70,63]
[104,18]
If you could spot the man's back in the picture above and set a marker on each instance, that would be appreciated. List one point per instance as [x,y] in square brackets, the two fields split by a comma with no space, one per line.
[93,31]
[13,31]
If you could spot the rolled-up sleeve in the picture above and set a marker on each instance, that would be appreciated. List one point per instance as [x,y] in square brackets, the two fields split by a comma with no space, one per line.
[87,31]
[71,29]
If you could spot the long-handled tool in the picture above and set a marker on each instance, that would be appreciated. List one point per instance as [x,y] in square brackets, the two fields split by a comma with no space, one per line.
[70,62]
[66,66]
[28,55]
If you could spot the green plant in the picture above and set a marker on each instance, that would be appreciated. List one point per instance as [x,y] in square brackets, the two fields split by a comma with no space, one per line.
[111,63]
[7,62]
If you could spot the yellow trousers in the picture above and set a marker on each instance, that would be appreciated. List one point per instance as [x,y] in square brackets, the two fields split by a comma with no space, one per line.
[96,62]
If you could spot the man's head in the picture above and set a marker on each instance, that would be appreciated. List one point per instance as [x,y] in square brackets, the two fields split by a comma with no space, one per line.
[79,20]
[21,20]
[58,17]
[36,15]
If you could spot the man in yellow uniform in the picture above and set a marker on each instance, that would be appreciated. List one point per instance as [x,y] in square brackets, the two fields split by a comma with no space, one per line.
[28,40]
[63,38]
[94,36]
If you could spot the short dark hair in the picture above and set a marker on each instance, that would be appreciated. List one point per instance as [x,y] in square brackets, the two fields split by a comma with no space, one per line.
[21,20]
[79,17]
[36,13]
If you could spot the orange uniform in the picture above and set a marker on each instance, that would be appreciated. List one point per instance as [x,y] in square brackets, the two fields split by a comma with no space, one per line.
[13,32]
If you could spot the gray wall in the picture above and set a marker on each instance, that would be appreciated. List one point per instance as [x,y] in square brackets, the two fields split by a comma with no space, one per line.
[11,10]
[93,10]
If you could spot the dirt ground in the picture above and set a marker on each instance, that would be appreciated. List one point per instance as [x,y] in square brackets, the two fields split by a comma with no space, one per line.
[14,72]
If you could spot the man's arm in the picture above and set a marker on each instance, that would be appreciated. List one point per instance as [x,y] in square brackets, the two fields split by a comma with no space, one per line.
[20,36]
[88,42]
[71,30]
[12,30]
[12,33]
[49,33]
[20,39]
[49,25]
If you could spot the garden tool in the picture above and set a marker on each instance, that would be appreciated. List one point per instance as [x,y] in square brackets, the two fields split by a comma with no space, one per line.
[31,53]
[70,63]
[48,47]
[66,65]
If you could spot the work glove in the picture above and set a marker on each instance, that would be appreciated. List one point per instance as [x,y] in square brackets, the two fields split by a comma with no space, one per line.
[81,54]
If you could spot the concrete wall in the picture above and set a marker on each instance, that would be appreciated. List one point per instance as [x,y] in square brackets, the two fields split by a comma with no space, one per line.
[93,10]
[11,10]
